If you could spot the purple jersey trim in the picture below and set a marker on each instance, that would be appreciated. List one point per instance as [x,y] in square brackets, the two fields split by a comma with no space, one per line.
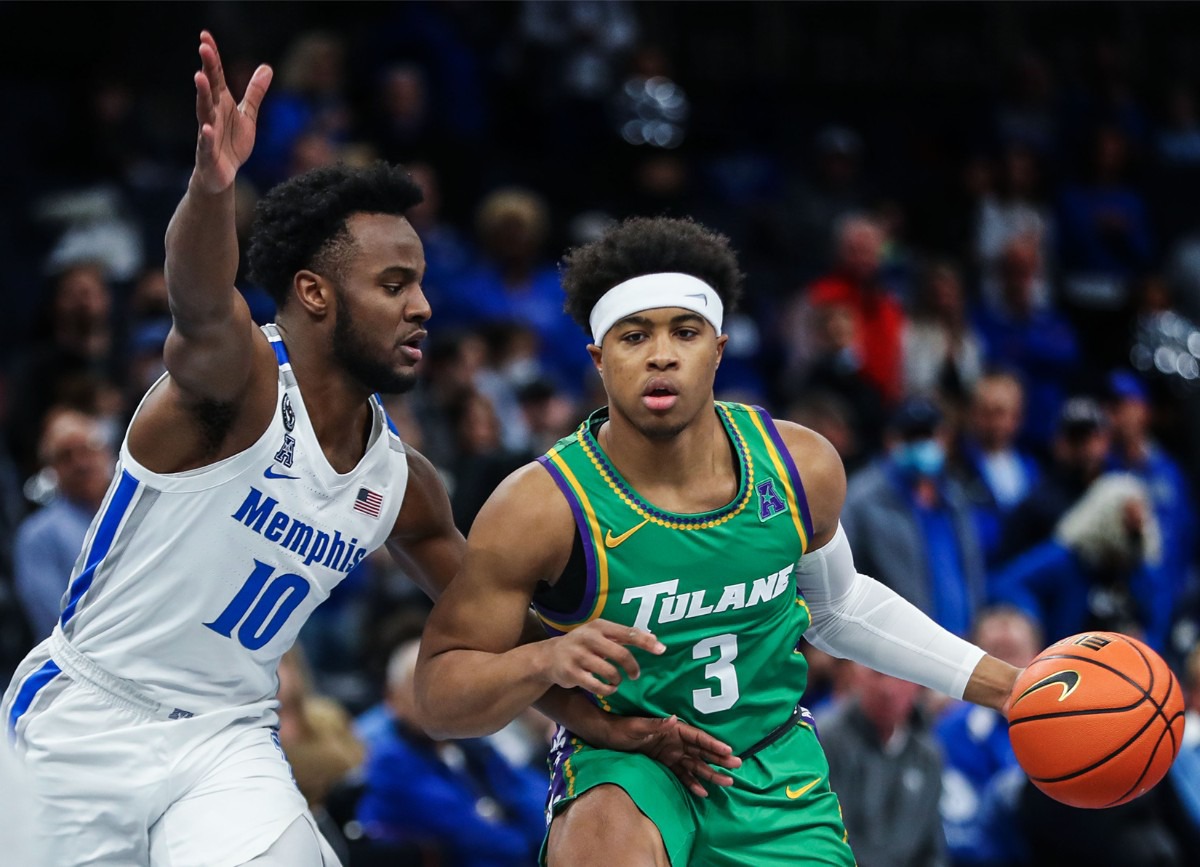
[797,485]
[585,534]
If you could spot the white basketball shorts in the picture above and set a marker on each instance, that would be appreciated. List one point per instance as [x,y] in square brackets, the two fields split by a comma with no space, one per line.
[116,781]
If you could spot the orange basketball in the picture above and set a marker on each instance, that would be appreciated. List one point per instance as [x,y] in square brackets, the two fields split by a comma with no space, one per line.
[1096,719]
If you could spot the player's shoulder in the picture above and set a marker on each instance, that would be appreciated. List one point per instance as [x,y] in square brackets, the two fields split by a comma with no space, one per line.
[820,468]
[529,489]
[809,449]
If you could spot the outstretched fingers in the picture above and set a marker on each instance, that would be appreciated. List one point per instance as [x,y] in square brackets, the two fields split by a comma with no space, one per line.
[210,61]
[255,91]
[707,748]
[694,773]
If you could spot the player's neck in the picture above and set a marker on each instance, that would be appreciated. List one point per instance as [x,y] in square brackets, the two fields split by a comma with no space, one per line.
[337,406]
[687,462]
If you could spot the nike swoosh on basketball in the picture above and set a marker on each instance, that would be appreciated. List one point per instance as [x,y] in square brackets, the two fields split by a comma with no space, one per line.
[1068,680]
[611,541]
[796,793]
[269,473]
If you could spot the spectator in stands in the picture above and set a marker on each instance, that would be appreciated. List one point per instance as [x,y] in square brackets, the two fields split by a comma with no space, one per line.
[309,101]
[995,472]
[460,799]
[448,254]
[1016,209]
[549,414]
[514,283]
[1078,452]
[981,779]
[1035,342]
[482,462]
[942,353]
[74,348]
[888,772]
[1104,243]
[819,199]
[878,315]
[1102,569]
[1135,451]
[74,450]
[834,367]
[910,524]
[833,418]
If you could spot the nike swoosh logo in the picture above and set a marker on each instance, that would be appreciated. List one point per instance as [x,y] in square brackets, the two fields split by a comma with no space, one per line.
[699,295]
[1068,680]
[611,541]
[269,473]
[796,793]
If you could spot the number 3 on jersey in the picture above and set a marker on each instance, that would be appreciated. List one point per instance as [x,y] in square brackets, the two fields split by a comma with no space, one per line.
[707,700]
[255,602]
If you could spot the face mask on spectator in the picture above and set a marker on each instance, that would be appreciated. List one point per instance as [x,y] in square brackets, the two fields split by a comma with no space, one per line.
[921,458]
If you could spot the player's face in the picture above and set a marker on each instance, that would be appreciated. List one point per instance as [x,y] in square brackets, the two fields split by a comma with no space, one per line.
[381,310]
[658,368]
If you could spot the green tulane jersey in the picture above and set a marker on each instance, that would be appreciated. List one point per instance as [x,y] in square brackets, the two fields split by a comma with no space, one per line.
[717,588]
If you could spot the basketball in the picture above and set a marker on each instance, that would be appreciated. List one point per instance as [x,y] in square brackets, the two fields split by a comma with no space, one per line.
[1096,719]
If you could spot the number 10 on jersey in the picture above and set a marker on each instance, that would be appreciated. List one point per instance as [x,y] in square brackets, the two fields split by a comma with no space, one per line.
[260,598]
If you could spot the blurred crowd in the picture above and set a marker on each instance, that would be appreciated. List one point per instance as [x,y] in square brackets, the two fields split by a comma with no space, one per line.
[999,337]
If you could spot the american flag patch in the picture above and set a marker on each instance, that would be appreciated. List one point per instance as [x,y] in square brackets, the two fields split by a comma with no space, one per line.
[368,502]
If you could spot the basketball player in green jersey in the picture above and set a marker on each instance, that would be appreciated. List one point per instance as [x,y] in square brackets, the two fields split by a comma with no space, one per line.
[677,548]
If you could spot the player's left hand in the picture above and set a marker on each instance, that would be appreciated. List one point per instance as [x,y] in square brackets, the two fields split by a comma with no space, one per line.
[686,750]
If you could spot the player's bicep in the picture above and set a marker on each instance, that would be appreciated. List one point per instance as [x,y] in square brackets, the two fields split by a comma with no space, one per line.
[216,360]
[521,536]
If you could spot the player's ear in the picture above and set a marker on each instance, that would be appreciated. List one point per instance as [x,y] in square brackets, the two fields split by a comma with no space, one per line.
[722,339]
[597,355]
[313,292]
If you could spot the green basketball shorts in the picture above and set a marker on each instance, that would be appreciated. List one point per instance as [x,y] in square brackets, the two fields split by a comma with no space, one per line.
[780,809]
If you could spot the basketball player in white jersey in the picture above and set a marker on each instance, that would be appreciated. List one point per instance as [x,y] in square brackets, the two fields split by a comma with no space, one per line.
[255,474]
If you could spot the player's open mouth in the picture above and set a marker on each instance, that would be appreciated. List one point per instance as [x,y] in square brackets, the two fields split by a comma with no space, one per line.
[660,395]
[412,347]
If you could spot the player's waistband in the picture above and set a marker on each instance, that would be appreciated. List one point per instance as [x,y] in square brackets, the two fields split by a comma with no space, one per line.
[799,715]
[121,692]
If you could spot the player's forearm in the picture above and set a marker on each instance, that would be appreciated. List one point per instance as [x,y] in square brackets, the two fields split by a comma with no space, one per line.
[470,693]
[991,683]
[202,259]
[572,709]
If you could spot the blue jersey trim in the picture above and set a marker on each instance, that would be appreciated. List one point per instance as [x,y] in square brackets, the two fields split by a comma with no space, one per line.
[280,352]
[102,543]
[390,424]
[29,690]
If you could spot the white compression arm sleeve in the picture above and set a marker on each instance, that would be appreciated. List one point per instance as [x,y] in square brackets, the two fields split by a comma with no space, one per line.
[855,617]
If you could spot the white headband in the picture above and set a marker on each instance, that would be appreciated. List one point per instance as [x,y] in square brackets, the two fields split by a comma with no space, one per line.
[655,290]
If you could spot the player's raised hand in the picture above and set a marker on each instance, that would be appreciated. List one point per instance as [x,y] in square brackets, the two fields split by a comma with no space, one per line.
[595,656]
[226,127]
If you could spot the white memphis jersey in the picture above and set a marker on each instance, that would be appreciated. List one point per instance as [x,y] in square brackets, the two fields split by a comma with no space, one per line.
[192,585]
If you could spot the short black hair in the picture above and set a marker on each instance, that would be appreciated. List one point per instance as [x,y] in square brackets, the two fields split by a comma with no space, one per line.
[648,245]
[301,223]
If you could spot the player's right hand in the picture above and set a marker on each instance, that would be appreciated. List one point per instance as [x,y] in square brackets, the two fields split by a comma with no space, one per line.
[227,128]
[596,656]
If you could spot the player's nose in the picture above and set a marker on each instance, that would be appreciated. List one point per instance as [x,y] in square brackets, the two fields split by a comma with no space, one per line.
[418,308]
